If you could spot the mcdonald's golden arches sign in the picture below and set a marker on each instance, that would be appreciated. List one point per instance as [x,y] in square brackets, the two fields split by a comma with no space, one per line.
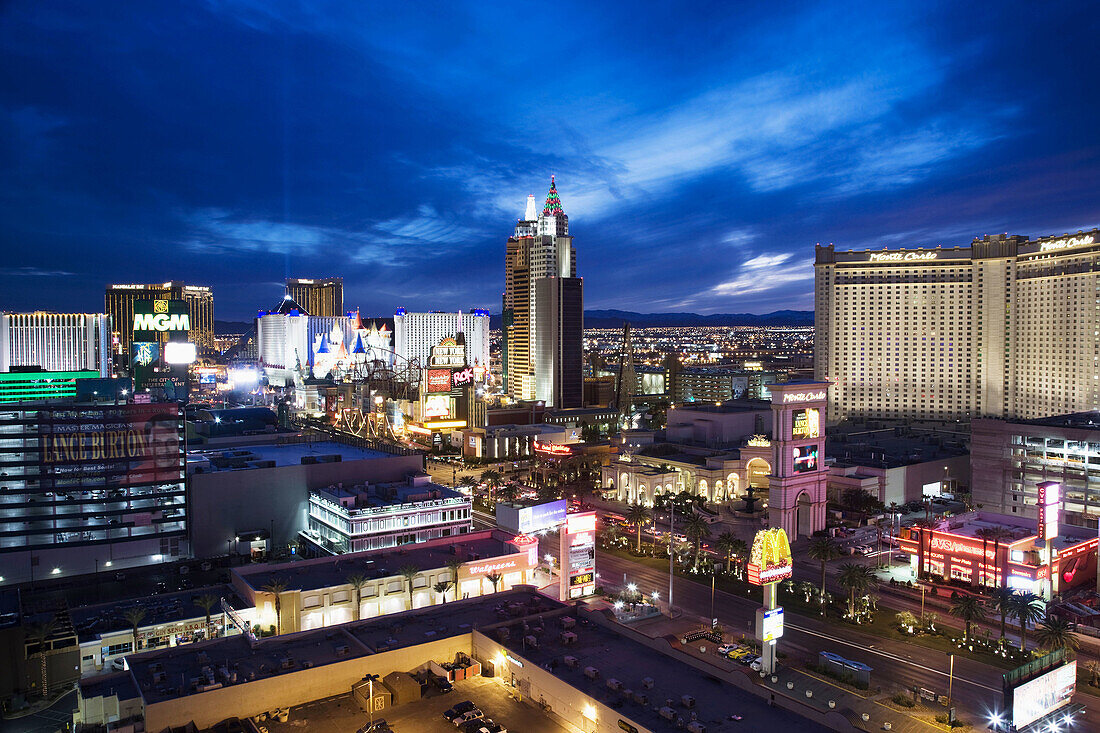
[770,559]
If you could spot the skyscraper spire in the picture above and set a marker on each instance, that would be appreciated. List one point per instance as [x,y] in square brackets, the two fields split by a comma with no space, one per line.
[532,212]
[553,203]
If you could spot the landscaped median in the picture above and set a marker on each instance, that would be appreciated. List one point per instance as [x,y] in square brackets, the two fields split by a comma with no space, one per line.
[883,622]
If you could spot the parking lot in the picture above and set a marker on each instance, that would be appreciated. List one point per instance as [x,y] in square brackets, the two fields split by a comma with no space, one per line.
[342,715]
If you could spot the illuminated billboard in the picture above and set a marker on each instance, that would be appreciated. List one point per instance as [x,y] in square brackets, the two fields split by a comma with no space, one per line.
[155,317]
[439,380]
[180,352]
[542,516]
[578,556]
[1050,497]
[119,444]
[771,624]
[437,405]
[805,459]
[770,557]
[807,423]
[1043,695]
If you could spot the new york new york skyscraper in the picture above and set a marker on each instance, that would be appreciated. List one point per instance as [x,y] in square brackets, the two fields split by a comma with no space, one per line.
[543,313]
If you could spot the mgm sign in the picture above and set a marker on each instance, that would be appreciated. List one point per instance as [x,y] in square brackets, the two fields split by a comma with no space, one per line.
[155,317]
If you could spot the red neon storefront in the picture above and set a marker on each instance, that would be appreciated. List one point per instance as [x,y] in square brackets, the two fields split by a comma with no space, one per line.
[1014,563]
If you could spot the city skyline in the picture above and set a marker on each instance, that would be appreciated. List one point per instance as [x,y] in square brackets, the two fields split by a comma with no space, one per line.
[146,144]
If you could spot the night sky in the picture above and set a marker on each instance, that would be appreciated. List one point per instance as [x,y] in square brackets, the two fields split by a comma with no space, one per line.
[700,151]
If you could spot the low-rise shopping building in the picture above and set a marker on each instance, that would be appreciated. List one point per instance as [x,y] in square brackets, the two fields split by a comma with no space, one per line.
[998,550]
[322,591]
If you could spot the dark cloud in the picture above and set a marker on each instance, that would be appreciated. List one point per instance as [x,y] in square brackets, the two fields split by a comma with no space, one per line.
[700,151]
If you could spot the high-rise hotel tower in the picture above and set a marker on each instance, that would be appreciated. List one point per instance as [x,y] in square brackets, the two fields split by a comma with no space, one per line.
[543,314]
[1007,327]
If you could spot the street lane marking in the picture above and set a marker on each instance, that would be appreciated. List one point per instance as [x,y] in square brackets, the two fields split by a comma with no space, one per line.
[890,655]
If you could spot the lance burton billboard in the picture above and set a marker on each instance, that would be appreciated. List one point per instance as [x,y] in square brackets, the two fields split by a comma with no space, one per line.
[770,558]
[125,444]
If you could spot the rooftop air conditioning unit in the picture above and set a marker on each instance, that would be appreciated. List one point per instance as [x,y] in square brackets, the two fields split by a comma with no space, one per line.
[571,662]
[343,650]
[591,673]
[614,684]
[647,683]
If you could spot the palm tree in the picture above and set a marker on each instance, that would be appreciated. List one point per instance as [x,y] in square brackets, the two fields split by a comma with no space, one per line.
[1057,633]
[638,514]
[971,610]
[823,549]
[508,492]
[453,565]
[275,587]
[493,479]
[206,602]
[857,579]
[696,528]
[741,553]
[1026,608]
[724,545]
[357,581]
[612,533]
[1002,599]
[927,527]
[135,616]
[409,572]
[40,634]
[494,578]
[441,588]
[997,535]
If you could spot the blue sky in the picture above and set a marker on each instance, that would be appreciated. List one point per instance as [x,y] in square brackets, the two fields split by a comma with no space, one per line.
[701,150]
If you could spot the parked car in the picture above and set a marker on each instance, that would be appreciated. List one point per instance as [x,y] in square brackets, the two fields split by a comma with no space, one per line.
[725,649]
[440,683]
[490,727]
[459,709]
[738,653]
[463,718]
[756,666]
[748,659]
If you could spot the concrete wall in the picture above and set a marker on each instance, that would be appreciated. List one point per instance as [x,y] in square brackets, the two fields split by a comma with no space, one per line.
[904,483]
[224,503]
[538,685]
[297,687]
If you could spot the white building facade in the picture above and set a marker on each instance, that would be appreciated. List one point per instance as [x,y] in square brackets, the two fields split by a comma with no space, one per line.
[1007,327]
[414,334]
[57,342]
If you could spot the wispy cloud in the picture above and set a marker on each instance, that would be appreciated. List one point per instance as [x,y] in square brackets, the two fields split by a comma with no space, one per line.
[764,273]
[33,272]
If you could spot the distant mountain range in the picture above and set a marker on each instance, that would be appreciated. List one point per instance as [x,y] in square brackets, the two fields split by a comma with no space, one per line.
[616,318]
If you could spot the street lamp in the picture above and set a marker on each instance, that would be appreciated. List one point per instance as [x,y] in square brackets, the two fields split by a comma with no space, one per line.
[370,678]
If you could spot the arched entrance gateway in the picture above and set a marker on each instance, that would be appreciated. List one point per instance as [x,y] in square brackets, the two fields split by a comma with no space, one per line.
[796,487]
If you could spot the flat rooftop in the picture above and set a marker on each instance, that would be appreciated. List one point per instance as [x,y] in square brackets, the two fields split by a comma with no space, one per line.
[166,608]
[885,449]
[170,673]
[377,495]
[971,523]
[326,572]
[728,407]
[289,454]
[1079,420]
[619,655]
[167,674]
[120,684]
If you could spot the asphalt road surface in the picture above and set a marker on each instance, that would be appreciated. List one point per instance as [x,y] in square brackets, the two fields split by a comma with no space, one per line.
[976,687]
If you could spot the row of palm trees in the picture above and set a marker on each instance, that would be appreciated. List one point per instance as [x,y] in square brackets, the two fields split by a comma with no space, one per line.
[1024,606]
[695,528]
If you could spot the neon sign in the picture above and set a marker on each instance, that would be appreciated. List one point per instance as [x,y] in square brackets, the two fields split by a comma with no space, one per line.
[903,256]
[955,547]
[553,449]
[462,376]
[439,380]
[804,396]
[1066,243]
